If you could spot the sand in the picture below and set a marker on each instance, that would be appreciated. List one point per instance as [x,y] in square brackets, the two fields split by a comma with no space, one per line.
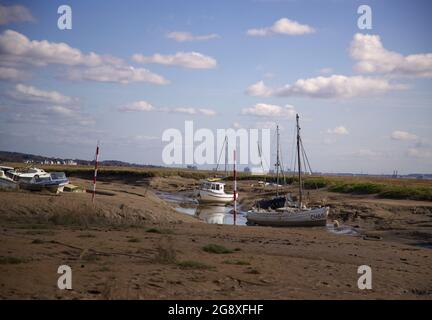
[133,245]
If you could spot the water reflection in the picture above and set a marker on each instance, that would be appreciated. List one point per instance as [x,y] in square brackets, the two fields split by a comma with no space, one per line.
[218,214]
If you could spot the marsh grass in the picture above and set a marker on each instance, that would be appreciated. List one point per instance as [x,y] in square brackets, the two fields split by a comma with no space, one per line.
[13,260]
[217,249]
[160,231]
[89,256]
[39,232]
[383,187]
[165,253]
[86,235]
[192,264]
[237,262]
[38,241]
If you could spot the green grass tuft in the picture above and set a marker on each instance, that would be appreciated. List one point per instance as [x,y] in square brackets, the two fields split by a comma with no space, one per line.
[191,264]
[12,260]
[160,231]
[237,262]
[217,249]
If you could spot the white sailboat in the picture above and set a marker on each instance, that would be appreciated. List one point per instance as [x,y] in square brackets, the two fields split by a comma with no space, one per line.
[295,215]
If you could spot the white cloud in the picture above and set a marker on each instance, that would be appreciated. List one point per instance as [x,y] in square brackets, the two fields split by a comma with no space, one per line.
[13,74]
[15,13]
[270,111]
[340,130]
[373,57]
[61,110]
[207,112]
[365,153]
[181,36]
[192,60]
[267,125]
[191,111]
[31,94]
[16,47]
[17,50]
[146,107]
[237,125]
[335,86]
[326,70]
[46,107]
[419,153]
[259,89]
[137,106]
[140,138]
[403,135]
[119,74]
[283,26]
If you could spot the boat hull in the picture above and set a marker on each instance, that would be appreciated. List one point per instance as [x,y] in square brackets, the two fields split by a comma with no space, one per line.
[54,188]
[309,218]
[212,197]
[7,184]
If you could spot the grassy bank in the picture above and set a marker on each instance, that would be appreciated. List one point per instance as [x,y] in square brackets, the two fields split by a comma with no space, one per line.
[412,189]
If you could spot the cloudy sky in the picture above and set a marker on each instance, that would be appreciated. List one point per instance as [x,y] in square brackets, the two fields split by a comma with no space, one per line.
[128,70]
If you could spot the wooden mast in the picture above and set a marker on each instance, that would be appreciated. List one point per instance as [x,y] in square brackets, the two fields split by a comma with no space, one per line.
[299,163]
[277,160]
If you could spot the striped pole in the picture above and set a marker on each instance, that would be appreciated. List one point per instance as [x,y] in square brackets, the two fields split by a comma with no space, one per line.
[235,189]
[95,172]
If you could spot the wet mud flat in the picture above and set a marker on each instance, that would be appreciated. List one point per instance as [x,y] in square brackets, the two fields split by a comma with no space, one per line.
[134,245]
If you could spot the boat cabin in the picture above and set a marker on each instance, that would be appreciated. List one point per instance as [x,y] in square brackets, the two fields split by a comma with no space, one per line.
[213,186]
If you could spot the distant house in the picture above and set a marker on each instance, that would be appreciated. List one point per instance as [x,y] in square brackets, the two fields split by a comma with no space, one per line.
[247,170]
[191,167]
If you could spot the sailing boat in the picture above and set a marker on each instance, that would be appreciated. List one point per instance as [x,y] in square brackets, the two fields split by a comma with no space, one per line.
[296,215]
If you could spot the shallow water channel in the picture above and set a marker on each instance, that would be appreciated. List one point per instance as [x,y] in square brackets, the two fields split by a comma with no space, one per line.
[221,214]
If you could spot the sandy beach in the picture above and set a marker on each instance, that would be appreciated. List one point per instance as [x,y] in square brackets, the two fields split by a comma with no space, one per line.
[131,244]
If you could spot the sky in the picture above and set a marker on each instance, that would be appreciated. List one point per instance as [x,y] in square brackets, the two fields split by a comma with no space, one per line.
[129,70]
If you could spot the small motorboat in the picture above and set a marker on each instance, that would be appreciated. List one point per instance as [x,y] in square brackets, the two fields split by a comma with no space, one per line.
[213,192]
[25,175]
[38,183]
[61,178]
[6,182]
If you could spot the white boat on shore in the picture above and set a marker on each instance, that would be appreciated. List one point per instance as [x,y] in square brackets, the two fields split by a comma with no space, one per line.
[25,175]
[214,192]
[36,179]
[6,182]
[291,215]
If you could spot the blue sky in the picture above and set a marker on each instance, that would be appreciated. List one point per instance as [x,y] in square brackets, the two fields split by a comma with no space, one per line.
[364,101]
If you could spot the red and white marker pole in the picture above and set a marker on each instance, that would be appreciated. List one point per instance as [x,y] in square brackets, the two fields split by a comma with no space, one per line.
[95,171]
[235,189]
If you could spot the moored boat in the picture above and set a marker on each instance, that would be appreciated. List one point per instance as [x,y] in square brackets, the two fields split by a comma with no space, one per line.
[291,215]
[214,192]
[38,183]
[25,175]
[6,182]
[61,178]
